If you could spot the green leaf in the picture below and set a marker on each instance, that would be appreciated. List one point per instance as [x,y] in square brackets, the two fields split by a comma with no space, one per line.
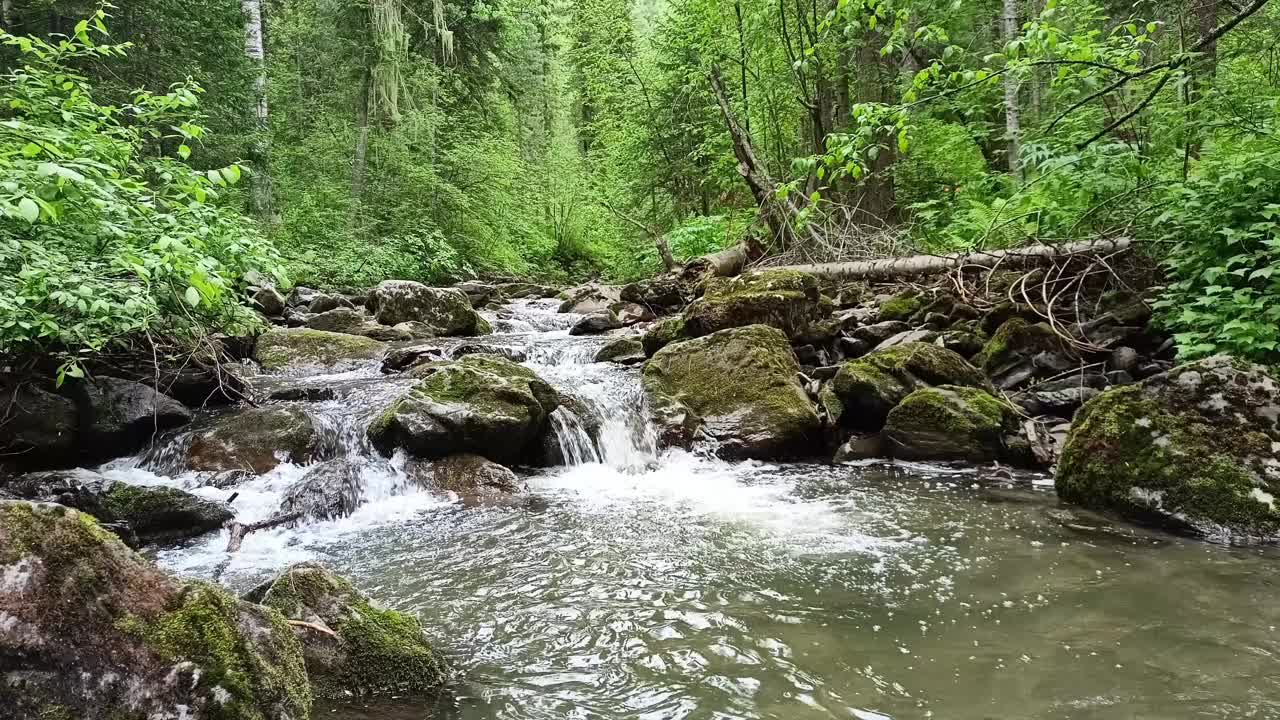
[184,151]
[29,210]
[30,150]
[192,296]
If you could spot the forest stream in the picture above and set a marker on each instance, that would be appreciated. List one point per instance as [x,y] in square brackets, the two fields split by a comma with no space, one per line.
[638,583]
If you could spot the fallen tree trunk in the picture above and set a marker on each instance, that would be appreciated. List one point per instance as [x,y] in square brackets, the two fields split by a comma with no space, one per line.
[900,267]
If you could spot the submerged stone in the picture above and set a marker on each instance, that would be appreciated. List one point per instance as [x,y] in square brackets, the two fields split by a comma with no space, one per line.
[328,491]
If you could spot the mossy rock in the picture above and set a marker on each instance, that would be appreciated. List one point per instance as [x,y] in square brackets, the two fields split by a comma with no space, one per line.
[367,650]
[255,439]
[483,404]
[949,422]
[1014,340]
[663,334]
[624,351]
[1195,448]
[448,310]
[282,347]
[866,389]
[788,300]
[473,477]
[901,306]
[738,388]
[114,637]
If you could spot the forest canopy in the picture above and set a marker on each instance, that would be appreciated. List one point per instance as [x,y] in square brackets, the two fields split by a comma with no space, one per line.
[568,139]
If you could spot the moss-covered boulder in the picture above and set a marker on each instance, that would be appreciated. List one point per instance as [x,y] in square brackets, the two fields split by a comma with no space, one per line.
[281,347]
[92,631]
[1019,351]
[624,351]
[256,439]
[901,306]
[863,391]
[1196,447]
[785,299]
[663,334]
[151,513]
[351,646]
[483,404]
[739,388]
[949,422]
[470,476]
[446,309]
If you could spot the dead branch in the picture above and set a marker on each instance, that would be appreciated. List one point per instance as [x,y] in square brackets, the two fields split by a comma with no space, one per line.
[239,530]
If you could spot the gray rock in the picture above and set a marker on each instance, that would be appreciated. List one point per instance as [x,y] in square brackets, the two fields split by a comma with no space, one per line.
[949,422]
[471,476]
[328,491]
[125,416]
[909,336]
[39,429]
[589,299]
[300,296]
[446,309]
[256,439]
[624,351]
[340,320]
[400,359]
[324,303]
[877,333]
[515,355]
[269,301]
[860,447]
[1123,358]
[596,323]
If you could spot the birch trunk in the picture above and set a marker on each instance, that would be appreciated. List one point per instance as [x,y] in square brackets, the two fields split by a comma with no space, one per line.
[263,201]
[1012,119]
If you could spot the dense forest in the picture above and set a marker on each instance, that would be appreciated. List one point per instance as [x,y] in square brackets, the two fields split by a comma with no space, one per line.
[157,153]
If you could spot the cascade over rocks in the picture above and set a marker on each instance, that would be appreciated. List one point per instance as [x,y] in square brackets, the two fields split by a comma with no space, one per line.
[738,387]
[367,650]
[151,513]
[448,310]
[950,422]
[256,439]
[482,404]
[328,491]
[1196,447]
[279,348]
[93,631]
[865,390]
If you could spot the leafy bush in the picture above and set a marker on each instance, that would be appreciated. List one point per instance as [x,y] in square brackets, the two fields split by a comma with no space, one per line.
[104,235]
[1224,258]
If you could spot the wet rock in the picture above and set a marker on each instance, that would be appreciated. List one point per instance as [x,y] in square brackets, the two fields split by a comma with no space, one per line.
[515,355]
[473,476]
[963,343]
[1194,448]
[296,317]
[785,299]
[323,303]
[879,332]
[416,330]
[632,313]
[338,320]
[852,348]
[125,416]
[1119,377]
[518,290]
[1123,358]
[39,427]
[663,334]
[809,356]
[256,439]
[909,336]
[223,480]
[589,299]
[278,349]
[93,631]
[400,359]
[1019,351]
[949,422]
[446,309]
[1152,369]
[1061,403]
[825,372]
[624,351]
[662,294]
[739,388]
[382,333]
[596,323]
[901,306]
[479,293]
[865,390]
[363,649]
[269,301]
[860,447]
[303,394]
[481,404]
[154,513]
[328,491]
[300,297]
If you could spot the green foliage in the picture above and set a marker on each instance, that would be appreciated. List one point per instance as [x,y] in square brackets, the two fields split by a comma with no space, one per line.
[101,237]
[1224,260]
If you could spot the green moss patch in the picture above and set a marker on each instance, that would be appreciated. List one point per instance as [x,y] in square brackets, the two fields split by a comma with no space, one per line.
[279,348]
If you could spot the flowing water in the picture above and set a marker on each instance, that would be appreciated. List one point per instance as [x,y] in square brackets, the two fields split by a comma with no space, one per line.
[672,585]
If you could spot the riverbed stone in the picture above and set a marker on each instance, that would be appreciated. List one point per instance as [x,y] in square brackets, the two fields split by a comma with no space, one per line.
[587,299]
[125,415]
[92,631]
[279,348]
[446,309]
[785,299]
[597,322]
[328,491]
[325,302]
[256,439]
[737,387]
[865,390]
[1019,351]
[338,320]
[482,404]
[624,351]
[1197,447]
[473,476]
[949,422]
[352,646]
[153,513]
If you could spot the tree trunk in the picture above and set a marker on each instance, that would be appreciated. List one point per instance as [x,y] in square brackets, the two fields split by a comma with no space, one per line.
[892,268]
[263,200]
[1012,119]
[361,159]
[6,16]
[742,60]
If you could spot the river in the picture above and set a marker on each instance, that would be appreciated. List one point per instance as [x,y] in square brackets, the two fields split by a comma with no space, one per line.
[634,583]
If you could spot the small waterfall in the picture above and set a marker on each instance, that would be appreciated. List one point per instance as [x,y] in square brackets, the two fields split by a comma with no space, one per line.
[575,442]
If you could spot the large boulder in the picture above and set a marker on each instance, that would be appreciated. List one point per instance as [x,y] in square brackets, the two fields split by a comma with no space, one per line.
[328,491]
[660,294]
[279,348]
[338,320]
[92,631]
[949,422]
[360,648]
[596,323]
[256,439]
[471,476]
[662,334]
[589,299]
[126,415]
[151,513]
[446,309]
[863,391]
[624,351]
[785,299]
[39,428]
[1195,447]
[737,387]
[482,404]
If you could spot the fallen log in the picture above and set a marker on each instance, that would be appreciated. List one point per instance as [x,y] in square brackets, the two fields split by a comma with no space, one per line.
[238,530]
[900,267]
